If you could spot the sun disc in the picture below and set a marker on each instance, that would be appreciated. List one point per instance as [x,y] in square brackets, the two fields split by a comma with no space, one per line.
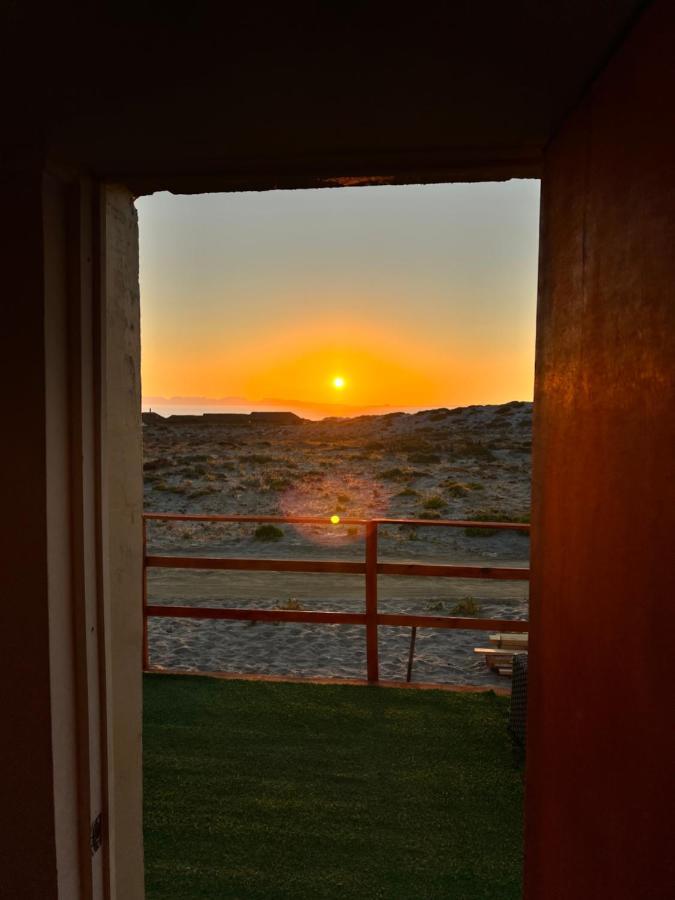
[338,382]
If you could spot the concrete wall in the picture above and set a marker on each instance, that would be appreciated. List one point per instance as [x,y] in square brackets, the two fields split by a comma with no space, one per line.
[600,744]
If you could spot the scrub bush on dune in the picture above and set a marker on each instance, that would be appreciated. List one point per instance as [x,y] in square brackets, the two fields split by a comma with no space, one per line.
[434,502]
[267,533]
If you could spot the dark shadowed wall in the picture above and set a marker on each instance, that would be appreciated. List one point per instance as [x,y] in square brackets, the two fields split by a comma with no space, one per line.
[26,752]
[600,751]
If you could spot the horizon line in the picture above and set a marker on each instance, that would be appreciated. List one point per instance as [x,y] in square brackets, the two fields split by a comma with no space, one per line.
[328,410]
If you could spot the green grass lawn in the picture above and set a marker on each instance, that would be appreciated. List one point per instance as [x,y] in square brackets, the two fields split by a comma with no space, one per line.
[268,790]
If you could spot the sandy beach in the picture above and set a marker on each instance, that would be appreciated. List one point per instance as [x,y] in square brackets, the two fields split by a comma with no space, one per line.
[458,464]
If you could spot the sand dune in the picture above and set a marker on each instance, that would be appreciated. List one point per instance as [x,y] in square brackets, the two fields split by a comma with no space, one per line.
[468,463]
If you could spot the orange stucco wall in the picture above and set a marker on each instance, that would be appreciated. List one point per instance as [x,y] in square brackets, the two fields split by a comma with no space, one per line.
[599,793]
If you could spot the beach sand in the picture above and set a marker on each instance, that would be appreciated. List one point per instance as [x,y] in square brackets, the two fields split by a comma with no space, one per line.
[463,464]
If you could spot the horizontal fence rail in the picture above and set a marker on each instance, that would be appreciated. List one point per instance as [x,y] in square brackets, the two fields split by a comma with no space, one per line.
[370,568]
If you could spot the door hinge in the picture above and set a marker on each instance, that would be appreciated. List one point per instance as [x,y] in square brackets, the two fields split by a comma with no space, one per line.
[96,834]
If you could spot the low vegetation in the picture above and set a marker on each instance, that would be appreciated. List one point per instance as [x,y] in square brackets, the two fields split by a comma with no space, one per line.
[424,458]
[493,515]
[268,533]
[202,491]
[278,484]
[408,492]
[162,486]
[457,488]
[253,484]
[467,606]
[395,474]
[291,605]
[151,465]
[434,502]
[475,450]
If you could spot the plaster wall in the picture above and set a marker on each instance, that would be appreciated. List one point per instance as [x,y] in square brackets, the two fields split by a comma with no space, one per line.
[73,510]
[62,638]
[122,500]
[71,545]
[600,743]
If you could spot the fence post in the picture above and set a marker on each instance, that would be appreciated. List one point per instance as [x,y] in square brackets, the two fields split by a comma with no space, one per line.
[371,603]
[146,656]
[411,653]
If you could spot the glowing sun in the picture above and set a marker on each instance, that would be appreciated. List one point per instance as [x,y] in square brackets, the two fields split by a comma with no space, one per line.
[338,382]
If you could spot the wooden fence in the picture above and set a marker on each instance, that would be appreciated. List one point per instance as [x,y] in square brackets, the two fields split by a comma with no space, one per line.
[370,568]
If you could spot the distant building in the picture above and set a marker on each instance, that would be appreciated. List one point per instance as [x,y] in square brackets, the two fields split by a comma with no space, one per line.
[276,418]
[255,418]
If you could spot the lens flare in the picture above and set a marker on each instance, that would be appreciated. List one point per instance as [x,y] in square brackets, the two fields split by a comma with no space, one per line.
[349,494]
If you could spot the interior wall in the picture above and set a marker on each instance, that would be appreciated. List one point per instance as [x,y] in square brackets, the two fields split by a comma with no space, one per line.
[25,760]
[600,743]
[72,879]
[82,361]
[122,504]
[71,547]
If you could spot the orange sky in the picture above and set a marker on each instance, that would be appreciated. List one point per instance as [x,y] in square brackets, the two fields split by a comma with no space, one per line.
[415,296]
[378,368]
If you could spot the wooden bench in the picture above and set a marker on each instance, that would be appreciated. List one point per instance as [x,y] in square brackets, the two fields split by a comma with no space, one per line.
[504,647]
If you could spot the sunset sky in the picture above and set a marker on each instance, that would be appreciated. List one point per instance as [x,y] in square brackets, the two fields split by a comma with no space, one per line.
[402,297]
